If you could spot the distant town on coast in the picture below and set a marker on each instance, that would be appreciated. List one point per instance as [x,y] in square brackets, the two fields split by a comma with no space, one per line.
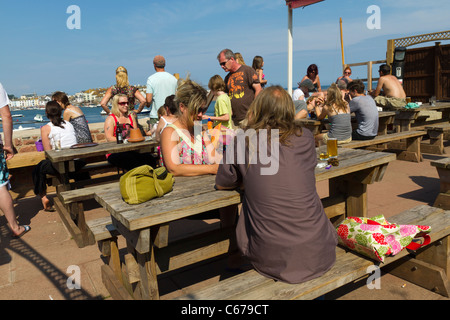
[86,98]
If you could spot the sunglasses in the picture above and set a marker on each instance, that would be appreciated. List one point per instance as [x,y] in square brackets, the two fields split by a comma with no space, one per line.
[202,110]
[123,103]
[224,63]
[347,73]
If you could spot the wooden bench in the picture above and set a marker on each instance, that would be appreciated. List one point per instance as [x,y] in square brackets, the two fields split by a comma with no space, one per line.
[71,210]
[409,150]
[437,133]
[20,169]
[443,170]
[25,159]
[100,172]
[104,233]
[428,267]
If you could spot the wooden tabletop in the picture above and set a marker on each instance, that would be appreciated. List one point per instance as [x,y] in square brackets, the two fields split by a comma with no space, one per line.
[443,163]
[98,150]
[193,195]
[382,114]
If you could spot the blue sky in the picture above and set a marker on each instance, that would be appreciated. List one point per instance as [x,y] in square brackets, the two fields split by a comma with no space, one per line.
[40,54]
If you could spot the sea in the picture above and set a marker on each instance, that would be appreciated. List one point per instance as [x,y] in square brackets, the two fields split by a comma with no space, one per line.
[24,119]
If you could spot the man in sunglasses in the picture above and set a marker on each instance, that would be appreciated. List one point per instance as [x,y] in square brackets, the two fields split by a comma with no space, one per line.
[242,84]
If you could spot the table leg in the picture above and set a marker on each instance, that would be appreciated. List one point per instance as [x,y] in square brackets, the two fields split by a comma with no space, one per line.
[353,187]
[382,126]
[147,270]
[412,152]
[355,194]
[141,245]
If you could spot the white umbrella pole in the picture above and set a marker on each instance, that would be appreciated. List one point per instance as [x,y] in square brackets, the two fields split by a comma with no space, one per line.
[289,85]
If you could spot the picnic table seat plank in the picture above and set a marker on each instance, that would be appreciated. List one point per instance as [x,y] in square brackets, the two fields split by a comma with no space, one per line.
[409,150]
[349,267]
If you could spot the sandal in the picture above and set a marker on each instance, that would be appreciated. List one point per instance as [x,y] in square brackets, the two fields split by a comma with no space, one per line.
[17,236]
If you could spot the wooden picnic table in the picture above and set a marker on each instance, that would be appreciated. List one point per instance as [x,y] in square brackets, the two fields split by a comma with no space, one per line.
[405,118]
[385,118]
[145,226]
[64,160]
[311,124]
[443,107]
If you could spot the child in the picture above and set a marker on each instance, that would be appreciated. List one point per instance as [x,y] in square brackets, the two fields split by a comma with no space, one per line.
[167,114]
[222,108]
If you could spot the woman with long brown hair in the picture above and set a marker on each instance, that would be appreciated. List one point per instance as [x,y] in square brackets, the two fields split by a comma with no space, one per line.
[338,112]
[75,116]
[58,133]
[312,73]
[282,229]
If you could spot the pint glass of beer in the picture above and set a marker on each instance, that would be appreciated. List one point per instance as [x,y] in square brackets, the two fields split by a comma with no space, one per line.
[332,147]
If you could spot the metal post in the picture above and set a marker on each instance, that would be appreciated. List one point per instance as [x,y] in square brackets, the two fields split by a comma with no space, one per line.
[290,49]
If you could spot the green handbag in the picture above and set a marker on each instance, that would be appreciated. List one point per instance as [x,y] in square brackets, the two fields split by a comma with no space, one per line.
[144,183]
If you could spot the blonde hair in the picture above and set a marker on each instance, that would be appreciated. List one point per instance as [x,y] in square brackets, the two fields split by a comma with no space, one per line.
[115,104]
[335,99]
[239,58]
[192,96]
[273,108]
[122,77]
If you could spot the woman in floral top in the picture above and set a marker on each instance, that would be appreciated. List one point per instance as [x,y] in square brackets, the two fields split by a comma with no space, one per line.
[186,152]
[122,86]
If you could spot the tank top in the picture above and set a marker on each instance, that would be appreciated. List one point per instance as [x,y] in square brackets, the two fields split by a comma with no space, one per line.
[341,126]
[66,134]
[125,126]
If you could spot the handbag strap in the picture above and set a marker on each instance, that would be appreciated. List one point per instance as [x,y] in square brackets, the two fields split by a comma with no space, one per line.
[414,245]
[158,188]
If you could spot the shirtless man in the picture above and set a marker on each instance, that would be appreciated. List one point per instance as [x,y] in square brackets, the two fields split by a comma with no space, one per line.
[394,95]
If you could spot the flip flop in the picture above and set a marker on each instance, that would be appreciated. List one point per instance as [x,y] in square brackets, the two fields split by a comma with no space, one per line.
[27,228]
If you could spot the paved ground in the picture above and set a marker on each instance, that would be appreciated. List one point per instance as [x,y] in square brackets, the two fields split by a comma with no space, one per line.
[39,265]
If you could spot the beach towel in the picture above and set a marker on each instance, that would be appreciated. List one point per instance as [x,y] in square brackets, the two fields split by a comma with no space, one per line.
[376,238]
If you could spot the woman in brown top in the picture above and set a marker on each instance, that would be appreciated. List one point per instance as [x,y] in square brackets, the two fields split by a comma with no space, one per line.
[282,229]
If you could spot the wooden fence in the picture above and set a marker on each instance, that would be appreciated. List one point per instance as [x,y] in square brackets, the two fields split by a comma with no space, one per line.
[427,73]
